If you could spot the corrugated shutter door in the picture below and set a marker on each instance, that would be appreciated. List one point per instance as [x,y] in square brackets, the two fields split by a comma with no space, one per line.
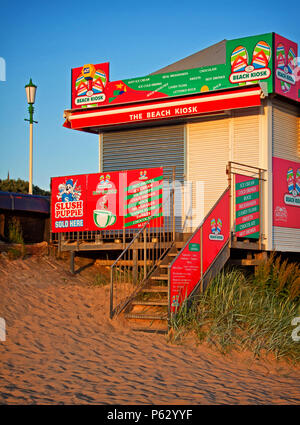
[148,148]
[286,239]
[286,145]
[139,148]
[285,134]
[208,155]
[246,136]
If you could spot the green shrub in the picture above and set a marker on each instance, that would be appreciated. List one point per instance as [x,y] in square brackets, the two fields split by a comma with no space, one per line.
[279,276]
[241,313]
[100,280]
[15,234]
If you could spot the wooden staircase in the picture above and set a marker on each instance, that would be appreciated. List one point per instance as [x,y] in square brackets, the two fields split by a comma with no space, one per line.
[148,311]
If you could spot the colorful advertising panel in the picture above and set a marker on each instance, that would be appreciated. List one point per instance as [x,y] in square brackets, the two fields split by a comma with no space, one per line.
[68,203]
[247,206]
[87,92]
[143,197]
[161,110]
[89,84]
[199,253]
[250,60]
[286,193]
[185,272]
[286,67]
[107,200]
[103,200]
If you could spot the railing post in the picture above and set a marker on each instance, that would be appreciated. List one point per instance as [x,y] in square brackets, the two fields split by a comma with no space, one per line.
[230,201]
[72,262]
[111,293]
[260,210]
[59,245]
[135,266]
[145,252]
[173,203]
[201,258]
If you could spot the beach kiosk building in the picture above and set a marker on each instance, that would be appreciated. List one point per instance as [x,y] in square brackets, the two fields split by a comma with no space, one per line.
[222,128]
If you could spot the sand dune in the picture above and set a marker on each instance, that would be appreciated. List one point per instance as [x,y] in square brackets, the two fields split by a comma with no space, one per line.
[61,347]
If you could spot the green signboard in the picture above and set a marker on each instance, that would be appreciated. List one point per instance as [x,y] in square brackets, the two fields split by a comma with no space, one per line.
[249,60]
[247,207]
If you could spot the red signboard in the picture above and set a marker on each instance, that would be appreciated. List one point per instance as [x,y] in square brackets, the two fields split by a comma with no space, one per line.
[110,200]
[88,85]
[286,193]
[200,252]
[68,203]
[151,111]
[286,67]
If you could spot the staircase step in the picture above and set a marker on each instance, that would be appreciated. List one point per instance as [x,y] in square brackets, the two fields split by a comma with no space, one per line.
[146,316]
[164,266]
[156,289]
[172,254]
[160,303]
[150,330]
[160,277]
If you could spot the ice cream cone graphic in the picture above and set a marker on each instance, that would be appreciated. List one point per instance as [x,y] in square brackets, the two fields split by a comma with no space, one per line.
[88,72]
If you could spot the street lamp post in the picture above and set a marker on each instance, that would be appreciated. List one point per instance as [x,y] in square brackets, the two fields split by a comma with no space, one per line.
[30,93]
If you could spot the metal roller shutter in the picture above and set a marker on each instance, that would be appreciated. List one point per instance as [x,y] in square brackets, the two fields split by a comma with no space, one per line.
[161,146]
[286,239]
[208,155]
[246,136]
[149,147]
[285,133]
[286,145]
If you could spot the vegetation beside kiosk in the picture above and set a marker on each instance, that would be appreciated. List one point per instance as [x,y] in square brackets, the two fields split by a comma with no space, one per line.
[246,313]
[21,186]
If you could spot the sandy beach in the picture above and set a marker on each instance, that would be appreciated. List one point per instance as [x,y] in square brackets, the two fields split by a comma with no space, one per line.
[62,348]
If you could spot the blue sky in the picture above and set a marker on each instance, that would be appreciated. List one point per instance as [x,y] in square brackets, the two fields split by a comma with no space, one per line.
[44,40]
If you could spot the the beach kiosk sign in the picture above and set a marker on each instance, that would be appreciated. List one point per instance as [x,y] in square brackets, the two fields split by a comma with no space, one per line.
[110,200]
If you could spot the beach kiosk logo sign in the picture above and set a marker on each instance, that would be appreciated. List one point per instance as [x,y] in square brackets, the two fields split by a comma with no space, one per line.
[293,186]
[286,64]
[88,85]
[216,229]
[243,70]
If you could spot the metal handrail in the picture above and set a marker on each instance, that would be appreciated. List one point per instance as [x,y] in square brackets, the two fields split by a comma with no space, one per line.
[146,275]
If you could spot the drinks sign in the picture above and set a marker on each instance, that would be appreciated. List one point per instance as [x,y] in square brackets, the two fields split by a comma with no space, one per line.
[247,207]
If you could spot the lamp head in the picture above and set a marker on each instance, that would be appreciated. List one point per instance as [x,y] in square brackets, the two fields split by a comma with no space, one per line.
[30,92]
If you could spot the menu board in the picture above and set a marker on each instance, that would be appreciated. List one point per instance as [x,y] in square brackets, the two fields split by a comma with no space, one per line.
[247,207]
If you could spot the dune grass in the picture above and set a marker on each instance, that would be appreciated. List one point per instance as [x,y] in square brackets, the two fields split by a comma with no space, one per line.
[253,313]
